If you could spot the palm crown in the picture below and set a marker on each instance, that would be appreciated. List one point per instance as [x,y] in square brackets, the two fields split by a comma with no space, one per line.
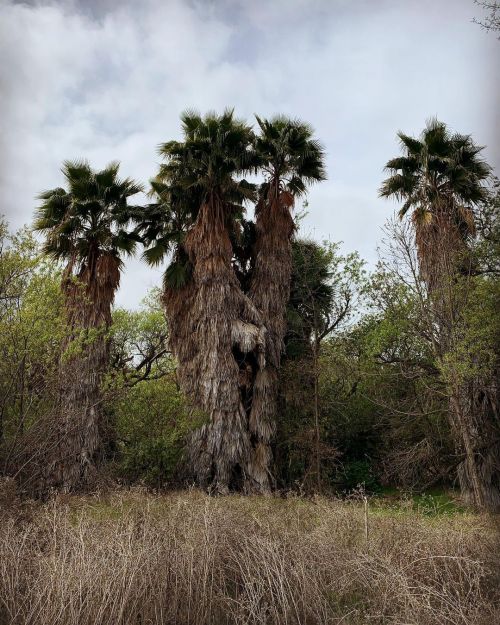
[439,171]
[203,168]
[91,217]
[289,154]
[216,149]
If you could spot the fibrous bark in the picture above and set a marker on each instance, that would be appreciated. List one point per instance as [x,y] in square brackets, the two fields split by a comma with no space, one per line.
[212,323]
[70,440]
[476,425]
[270,292]
[444,255]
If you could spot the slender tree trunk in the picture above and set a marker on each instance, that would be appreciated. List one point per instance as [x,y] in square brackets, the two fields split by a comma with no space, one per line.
[316,407]
[270,292]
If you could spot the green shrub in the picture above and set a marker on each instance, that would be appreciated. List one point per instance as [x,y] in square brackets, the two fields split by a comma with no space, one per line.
[152,420]
[359,473]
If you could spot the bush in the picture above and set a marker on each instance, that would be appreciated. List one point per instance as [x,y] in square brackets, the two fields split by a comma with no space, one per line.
[359,473]
[152,420]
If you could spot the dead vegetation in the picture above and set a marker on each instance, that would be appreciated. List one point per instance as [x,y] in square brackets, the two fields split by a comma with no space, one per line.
[135,558]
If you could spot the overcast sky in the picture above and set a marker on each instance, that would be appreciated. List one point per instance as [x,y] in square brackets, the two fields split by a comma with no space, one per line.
[106,80]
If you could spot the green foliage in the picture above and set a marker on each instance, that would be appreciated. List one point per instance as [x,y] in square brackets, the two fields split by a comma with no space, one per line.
[31,330]
[326,287]
[476,346]
[287,152]
[152,421]
[435,170]
[359,474]
[206,166]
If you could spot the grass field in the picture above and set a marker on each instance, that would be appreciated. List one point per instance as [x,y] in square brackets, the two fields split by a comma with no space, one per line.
[136,558]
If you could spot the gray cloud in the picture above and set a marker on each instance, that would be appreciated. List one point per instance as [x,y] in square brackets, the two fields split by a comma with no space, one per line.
[107,80]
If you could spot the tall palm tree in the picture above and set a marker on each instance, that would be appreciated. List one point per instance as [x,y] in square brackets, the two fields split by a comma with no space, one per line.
[291,159]
[212,323]
[439,178]
[86,227]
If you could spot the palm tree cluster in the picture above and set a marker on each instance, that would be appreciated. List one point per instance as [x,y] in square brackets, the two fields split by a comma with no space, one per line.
[227,286]
[225,292]
[227,283]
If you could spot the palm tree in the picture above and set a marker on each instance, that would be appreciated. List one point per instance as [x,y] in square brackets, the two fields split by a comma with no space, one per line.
[291,159]
[212,324]
[439,178]
[85,226]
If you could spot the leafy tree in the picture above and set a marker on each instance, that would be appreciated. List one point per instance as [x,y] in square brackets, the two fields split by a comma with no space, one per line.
[150,415]
[31,329]
[325,289]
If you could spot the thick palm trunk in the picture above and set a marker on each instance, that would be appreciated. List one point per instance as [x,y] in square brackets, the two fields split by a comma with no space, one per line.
[270,292]
[73,437]
[214,321]
[77,441]
[473,404]
[477,425]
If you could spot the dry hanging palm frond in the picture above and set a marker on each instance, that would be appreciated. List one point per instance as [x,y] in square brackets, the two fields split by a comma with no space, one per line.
[294,159]
[215,319]
[212,323]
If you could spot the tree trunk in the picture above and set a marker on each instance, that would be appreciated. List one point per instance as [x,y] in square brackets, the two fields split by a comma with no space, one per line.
[76,440]
[70,441]
[217,322]
[477,429]
[270,292]
[473,404]
[317,433]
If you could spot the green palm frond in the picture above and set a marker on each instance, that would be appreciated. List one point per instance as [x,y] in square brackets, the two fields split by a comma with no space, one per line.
[154,255]
[90,216]
[178,274]
[412,146]
[289,153]
[437,169]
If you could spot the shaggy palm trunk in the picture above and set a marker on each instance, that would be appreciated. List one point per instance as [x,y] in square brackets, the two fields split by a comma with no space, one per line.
[76,437]
[473,404]
[270,292]
[479,473]
[208,324]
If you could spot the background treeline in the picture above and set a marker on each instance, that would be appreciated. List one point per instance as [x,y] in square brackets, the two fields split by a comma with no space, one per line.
[362,398]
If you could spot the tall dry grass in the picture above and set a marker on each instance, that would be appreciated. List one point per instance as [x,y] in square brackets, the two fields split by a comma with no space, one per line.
[133,558]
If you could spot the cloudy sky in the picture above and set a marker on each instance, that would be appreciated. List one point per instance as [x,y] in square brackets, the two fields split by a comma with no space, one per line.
[106,80]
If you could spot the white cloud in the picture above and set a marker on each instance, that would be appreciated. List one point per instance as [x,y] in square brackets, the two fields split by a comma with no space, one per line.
[107,80]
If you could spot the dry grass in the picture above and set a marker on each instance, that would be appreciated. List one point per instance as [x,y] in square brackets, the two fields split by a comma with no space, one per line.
[134,558]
